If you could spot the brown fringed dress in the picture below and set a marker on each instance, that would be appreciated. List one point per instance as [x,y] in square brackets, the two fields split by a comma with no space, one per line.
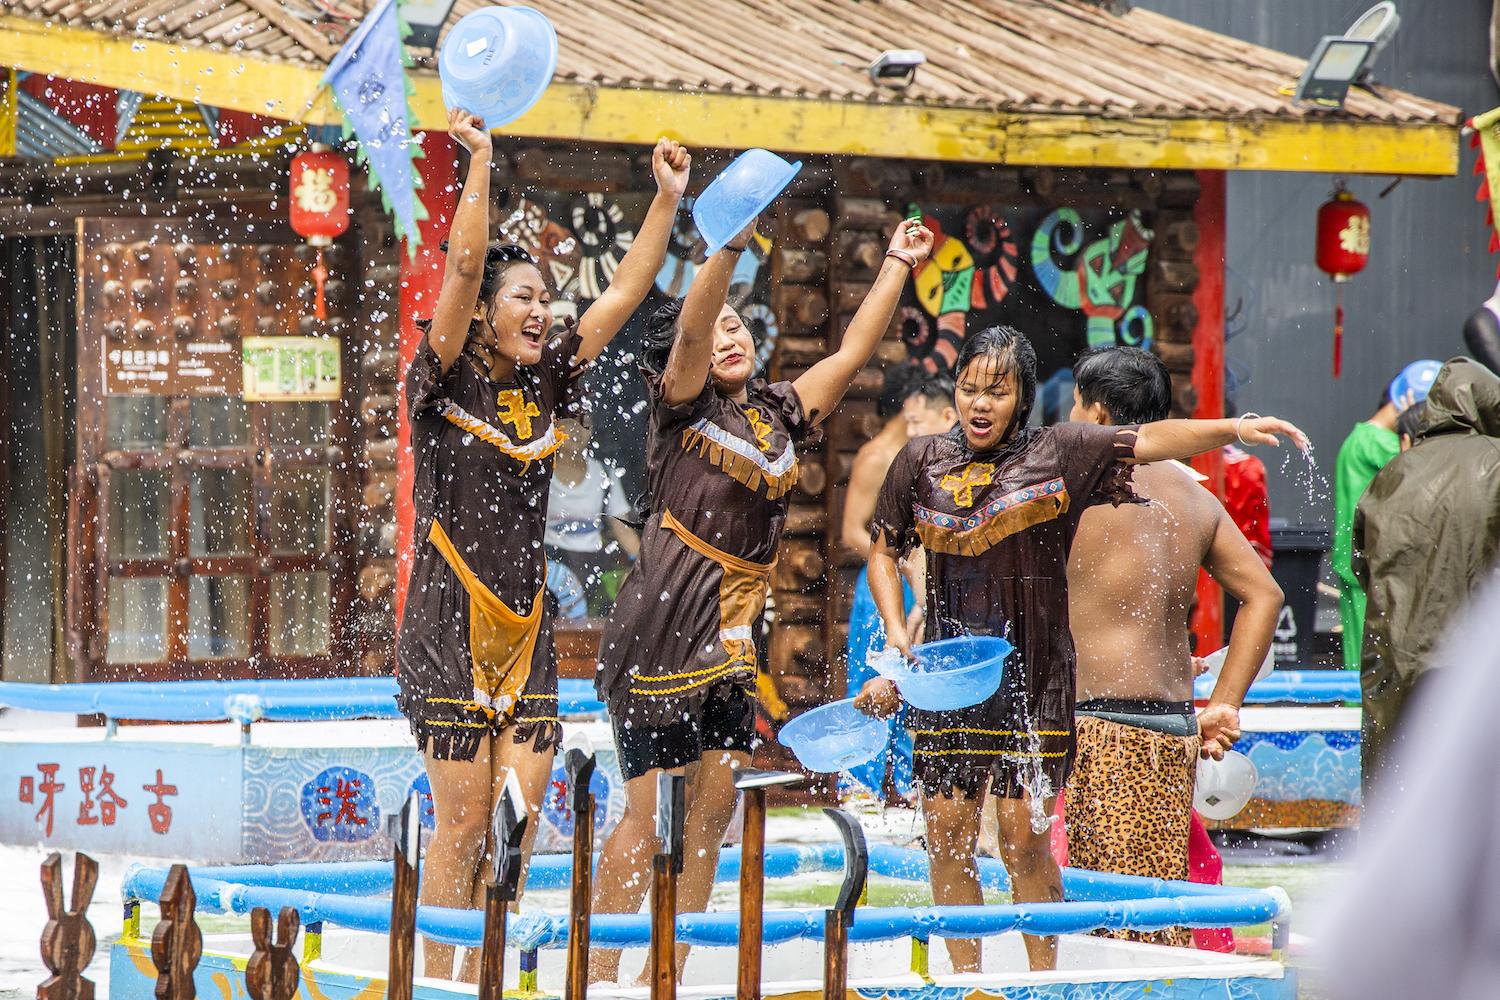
[996,528]
[682,630]
[474,653]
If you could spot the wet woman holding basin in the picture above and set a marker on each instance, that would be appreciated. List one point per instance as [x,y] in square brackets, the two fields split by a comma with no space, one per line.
[475,662]
[677,664]
[995,504]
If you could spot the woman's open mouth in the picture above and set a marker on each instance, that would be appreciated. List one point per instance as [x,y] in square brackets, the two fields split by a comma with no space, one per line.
[981,426]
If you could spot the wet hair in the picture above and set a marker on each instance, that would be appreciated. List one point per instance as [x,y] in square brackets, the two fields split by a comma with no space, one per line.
[660,335]
[1008,347]
[499,258]
[1411,419]
[936,388]
[896,389]
[1131,384]
[656,349]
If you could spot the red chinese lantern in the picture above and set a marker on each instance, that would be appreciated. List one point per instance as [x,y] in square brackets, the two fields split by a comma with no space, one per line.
[319,198]
[1343,251]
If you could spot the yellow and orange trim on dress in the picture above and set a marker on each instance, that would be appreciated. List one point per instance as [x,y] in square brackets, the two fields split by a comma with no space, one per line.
[977,533]
[742,599]
[743,461]
[1032,737]
[532,451]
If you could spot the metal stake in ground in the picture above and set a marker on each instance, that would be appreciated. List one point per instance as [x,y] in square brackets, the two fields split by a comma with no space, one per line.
[68,939]
[579,761]
[837,920]
[272,972]
[665,867]
[403,932]
[507,831]
[176,944]
[753,872]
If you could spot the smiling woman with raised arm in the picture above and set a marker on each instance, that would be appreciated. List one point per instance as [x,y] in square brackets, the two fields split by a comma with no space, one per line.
[474,656]
[678,662]
[994,505]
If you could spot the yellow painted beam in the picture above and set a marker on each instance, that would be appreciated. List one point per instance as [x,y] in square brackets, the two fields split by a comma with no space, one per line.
[590,113]
[9,112]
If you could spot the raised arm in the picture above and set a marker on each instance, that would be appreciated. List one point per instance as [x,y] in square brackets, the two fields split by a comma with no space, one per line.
[1234,564]
[1182,439]
[467,237]
[693,350]
[670,165]
[822,386]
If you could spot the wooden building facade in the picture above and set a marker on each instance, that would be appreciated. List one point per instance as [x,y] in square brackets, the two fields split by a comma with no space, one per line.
[195,532]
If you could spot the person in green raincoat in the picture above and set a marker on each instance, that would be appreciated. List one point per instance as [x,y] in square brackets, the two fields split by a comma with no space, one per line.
[1370,445]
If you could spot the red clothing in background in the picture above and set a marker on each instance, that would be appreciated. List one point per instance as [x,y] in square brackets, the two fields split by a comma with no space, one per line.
[1245,498]
[1207,868]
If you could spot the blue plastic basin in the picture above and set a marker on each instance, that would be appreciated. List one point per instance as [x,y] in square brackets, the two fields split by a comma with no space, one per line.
[834,737]
[951,673]
[497,61]
[741,192]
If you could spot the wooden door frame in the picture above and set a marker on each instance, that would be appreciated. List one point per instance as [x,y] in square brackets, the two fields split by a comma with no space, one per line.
[88,511]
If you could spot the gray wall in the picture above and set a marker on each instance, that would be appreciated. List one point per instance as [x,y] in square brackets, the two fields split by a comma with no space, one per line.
[1429,262]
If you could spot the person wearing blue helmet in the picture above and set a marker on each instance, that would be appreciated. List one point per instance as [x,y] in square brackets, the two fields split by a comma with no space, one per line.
[1370,445]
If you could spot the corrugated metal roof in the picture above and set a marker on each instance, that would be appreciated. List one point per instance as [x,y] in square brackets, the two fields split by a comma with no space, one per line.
[1058,56]
[42,134]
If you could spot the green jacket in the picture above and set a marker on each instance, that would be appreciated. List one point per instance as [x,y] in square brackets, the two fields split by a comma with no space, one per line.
[1427,531]
[1365,452]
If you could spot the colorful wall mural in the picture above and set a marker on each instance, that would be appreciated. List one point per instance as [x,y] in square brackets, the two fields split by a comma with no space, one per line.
[1070,279]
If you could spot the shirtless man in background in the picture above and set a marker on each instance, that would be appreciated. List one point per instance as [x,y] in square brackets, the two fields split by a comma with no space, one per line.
[914,403]
[1131,578]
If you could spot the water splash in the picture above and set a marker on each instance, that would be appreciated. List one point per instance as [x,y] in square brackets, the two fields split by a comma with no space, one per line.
[1307,477]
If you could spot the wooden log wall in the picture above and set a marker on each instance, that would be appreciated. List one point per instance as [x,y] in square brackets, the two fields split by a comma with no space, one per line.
[1171,279]
[800,594]
[379,344]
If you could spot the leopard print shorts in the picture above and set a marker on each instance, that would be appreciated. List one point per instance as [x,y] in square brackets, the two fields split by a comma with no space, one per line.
[1130,807]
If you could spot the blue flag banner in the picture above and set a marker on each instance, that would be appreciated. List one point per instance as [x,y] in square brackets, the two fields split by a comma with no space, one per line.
[368,77]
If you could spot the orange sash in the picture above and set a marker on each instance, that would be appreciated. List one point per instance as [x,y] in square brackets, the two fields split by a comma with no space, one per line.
[742,599]
[501,642]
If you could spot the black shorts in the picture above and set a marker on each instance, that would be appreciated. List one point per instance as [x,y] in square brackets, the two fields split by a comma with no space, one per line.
[726,721]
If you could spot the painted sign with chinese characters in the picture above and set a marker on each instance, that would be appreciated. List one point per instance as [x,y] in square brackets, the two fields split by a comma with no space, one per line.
[120,796]
[283,369]
[227,804]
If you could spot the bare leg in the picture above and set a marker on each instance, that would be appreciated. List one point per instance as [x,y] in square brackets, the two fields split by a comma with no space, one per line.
[710,807]
[989,827]
[533,770]
[952,832]
[621,880]
[460,799]
[1034,875]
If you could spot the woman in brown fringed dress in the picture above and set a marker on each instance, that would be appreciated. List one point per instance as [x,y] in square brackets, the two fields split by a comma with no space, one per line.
[994,505]
[678,663]
[475,664]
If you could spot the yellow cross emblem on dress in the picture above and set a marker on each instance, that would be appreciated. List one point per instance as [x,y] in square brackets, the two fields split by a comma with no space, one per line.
[513,408]
[760,427]
[961,484]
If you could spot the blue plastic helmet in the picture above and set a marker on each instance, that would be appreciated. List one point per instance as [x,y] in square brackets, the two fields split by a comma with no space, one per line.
[1411,386]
